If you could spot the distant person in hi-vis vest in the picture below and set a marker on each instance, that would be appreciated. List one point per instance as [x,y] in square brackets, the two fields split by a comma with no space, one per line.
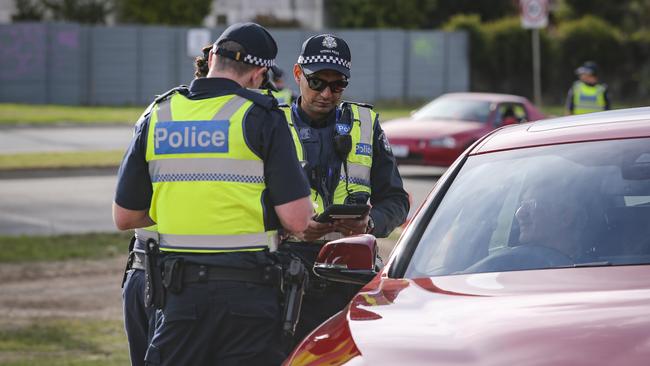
[587,94]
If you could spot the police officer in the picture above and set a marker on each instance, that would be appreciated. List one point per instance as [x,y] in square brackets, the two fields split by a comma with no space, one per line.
[283,94]
[217,172]
[587,94]
[365,173]
[139,320]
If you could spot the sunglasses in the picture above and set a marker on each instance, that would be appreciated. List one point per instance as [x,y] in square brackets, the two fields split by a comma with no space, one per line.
[317,84]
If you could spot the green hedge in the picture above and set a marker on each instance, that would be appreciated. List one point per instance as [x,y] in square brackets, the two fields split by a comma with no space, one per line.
[501,56]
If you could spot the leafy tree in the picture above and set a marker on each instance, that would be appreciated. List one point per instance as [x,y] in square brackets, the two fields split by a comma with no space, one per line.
[168,12]
[410,14]
[628,15]
[80,11]
[28,10]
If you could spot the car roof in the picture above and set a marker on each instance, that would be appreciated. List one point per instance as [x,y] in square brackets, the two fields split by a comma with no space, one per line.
[610,125]
[492,97]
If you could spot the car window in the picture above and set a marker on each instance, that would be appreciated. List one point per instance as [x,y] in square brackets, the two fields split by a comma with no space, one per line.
[509,113]
[558,206]
[455,110]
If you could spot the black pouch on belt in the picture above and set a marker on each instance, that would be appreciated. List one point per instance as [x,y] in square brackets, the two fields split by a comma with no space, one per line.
[154,292]
[173,275]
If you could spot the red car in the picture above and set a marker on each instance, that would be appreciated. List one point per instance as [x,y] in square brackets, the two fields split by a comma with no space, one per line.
[532,249]
[439,132]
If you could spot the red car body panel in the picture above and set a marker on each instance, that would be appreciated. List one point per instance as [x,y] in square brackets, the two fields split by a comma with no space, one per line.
[569,129]
[415,134]
[564,316]
[544,317]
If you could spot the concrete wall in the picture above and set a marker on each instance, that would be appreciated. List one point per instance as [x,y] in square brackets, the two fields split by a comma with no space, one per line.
[59,63]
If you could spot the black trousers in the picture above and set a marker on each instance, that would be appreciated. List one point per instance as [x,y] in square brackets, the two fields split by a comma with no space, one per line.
[219,323]
[323,298]
[139,321]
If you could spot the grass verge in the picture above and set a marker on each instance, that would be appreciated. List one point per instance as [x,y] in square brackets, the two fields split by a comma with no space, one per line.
[17,249]
[29,114]
[58,342]
[61,160]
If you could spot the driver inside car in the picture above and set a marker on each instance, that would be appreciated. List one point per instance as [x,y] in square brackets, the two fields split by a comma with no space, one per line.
[551,224]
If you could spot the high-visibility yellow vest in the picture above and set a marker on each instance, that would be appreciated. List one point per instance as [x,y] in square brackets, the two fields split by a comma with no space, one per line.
[359,159]
[207,182]
[283,96]
[588,98]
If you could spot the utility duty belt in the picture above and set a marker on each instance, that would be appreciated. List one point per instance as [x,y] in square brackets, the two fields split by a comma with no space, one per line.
[177,272]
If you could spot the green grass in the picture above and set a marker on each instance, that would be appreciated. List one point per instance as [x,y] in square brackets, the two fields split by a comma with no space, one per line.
[29,114]
[15,249]
[59,160]
[58,342]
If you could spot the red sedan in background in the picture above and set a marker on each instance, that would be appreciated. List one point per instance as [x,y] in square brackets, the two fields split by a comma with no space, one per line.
[532,249]
[439,132]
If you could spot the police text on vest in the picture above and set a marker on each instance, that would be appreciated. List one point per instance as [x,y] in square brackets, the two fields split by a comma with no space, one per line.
[187,137]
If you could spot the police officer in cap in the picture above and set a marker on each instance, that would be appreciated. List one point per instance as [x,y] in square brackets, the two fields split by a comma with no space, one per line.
[359,171]
[217,172]
[587,94]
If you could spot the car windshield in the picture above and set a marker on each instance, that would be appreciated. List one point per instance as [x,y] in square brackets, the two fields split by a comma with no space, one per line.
[571,205]
[455,109]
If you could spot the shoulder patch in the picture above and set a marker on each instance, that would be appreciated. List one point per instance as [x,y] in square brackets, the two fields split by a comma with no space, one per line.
[385,143]
[265,101]
[183,89]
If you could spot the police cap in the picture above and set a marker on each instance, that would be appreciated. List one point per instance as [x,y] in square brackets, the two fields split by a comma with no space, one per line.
[325,52]
[589,67]
[259,46]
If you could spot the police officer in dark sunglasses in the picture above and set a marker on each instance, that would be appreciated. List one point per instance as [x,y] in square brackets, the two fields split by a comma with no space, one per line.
[347,160]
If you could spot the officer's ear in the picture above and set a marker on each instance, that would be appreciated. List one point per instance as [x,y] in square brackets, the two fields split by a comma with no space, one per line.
[257,77]
[297,72]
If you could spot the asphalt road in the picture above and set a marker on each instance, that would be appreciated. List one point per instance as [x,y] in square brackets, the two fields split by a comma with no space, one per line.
[15,140]
[74,204]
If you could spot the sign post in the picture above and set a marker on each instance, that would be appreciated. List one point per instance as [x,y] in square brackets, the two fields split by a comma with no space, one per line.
[534,15]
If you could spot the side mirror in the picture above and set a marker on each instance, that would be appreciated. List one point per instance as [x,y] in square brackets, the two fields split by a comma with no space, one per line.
[350,260]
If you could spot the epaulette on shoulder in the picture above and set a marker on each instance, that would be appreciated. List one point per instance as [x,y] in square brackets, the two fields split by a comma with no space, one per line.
[183,89]
[365,105]
[254,95]
[283,105]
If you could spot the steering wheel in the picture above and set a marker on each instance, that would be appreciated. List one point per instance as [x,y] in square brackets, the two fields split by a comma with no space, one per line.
[523,257]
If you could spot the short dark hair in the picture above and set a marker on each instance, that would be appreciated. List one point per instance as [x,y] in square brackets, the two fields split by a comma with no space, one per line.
[224,63]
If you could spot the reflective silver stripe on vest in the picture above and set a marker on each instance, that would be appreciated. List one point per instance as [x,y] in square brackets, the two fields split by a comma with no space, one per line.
[165,110]
[220,242]
[359,174]
[366,125]
[230,108]
[144,235]
[206,169]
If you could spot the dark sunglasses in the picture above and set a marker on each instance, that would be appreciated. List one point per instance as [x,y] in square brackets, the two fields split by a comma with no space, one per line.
[317,84]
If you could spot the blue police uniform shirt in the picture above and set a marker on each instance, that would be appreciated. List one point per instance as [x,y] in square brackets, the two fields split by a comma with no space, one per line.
[390,204]
[267,135]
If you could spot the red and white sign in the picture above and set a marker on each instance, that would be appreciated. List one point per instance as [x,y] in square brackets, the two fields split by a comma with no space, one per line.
[534,13]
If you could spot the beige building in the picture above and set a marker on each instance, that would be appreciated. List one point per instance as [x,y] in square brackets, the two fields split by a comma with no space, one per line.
[7,9]
[310,14]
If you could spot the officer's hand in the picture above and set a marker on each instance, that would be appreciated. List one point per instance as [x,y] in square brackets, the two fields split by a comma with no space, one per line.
[349,227]
[316,229]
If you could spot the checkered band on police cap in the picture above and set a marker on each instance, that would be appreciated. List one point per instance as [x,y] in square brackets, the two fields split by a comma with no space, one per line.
[325,52]
[324,59]
[260,47]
